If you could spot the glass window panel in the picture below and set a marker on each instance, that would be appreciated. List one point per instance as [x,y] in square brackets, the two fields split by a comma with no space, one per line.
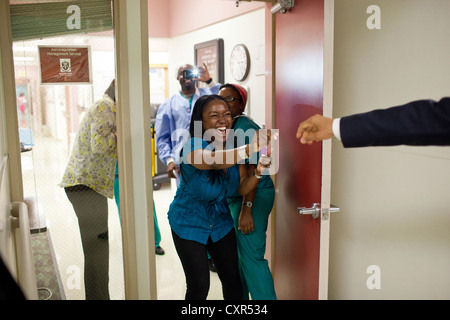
[50,117]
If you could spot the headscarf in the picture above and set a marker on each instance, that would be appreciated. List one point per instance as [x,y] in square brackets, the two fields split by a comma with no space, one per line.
[242,92]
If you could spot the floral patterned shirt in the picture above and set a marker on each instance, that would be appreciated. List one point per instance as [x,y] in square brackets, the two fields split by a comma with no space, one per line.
[94,155]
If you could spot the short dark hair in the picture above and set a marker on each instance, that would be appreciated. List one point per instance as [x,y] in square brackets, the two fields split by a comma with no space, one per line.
[227,85]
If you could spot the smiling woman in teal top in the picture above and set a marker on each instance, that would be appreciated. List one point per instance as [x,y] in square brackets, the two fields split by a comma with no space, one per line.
[199,215]
[206,195]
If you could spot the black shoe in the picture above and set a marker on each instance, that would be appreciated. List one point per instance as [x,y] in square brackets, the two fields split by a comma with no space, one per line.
[159,251]
[212,266]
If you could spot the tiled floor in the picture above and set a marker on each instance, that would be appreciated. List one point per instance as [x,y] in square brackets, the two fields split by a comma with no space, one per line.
[42,170]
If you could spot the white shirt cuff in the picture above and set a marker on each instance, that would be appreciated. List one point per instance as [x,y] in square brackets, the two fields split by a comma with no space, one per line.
[169,160]
[337,128]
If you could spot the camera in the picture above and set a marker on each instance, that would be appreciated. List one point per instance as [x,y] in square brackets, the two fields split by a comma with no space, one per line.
[191,73]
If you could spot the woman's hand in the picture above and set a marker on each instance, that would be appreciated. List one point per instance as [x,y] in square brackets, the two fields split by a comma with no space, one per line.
[260,140]
[246,220]
[263,164]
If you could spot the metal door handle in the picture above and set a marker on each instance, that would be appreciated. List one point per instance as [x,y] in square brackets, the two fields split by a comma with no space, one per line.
[334,209]
[326,212]
[315,210]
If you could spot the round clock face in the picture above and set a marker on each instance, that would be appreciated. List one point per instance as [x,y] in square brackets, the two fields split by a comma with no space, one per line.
[239,62]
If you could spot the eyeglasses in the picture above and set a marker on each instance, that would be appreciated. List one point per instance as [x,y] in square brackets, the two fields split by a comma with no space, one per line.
[230,99]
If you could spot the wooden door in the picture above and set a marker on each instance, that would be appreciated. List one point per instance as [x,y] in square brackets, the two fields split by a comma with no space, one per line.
[301,241]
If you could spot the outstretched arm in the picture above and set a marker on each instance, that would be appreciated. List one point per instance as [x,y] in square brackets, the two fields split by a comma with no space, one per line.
[205,159]
[417,123]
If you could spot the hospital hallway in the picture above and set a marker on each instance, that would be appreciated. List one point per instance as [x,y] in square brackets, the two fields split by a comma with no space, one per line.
[364,223]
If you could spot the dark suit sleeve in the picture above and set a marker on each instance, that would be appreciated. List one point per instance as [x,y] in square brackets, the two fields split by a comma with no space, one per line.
[418,123]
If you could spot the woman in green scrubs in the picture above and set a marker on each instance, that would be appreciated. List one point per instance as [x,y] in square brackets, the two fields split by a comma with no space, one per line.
[251,212]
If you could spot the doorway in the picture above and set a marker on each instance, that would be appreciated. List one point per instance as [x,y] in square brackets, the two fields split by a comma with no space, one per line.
[53,112]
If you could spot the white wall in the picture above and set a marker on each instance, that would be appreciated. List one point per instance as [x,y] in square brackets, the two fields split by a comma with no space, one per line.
[395,204]
[247,29]
[158,50]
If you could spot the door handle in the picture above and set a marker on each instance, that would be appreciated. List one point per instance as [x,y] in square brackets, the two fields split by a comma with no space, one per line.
[326,212]
[315,210]
[334,209]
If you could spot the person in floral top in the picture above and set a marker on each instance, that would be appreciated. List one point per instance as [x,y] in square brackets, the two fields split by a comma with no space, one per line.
[88,182]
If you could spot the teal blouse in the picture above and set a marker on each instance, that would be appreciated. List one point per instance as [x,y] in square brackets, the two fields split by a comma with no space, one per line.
[200,208]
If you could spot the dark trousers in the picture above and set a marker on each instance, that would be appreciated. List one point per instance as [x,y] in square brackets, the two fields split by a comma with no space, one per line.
[91,209]
[194,258]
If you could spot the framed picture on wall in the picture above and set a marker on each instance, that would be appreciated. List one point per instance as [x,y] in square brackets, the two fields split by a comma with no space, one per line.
[210,53]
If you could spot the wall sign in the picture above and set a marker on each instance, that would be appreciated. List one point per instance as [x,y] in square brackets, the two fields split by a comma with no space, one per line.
[65,65]
[210,53]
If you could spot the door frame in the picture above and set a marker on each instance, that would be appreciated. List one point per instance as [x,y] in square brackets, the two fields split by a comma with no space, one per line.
[328,63]
[9,86]
[134,148]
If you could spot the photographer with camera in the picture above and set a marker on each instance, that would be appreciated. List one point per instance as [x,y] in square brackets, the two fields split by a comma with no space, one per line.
[175,113]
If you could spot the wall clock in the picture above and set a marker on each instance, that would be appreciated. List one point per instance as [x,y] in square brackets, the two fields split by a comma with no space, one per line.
[239,62]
